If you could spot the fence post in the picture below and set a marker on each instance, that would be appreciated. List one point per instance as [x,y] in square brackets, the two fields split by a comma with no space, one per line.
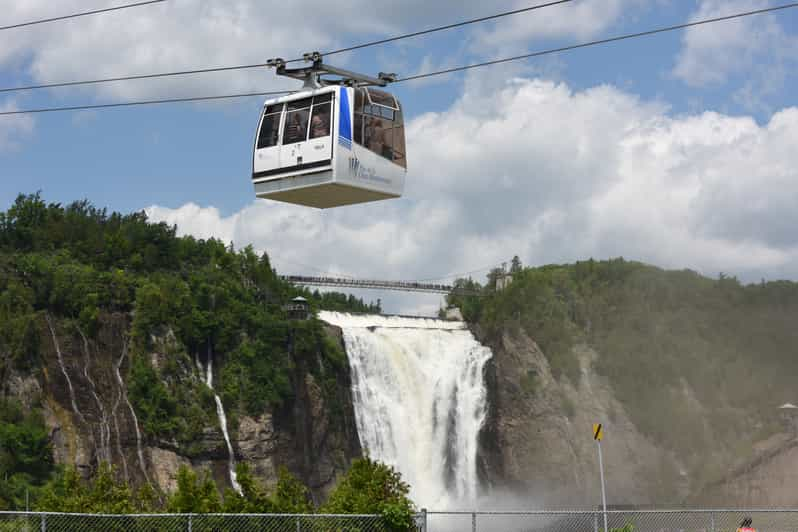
[298,524]
[473,522]
[712,522]
[423,520]
[595,522]
[190,522]
[44,522]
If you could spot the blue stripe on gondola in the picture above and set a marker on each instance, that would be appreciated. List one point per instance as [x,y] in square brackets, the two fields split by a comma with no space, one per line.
[345,127]
[346,143]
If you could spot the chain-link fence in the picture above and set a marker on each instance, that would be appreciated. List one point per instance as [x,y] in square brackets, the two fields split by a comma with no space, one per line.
[617,521]
[542,521]
[56,522]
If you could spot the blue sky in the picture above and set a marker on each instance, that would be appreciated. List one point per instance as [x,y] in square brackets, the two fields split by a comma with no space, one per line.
[189,163]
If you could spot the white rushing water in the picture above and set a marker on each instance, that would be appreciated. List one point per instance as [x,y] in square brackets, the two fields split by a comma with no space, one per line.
[223,423]
[420,400]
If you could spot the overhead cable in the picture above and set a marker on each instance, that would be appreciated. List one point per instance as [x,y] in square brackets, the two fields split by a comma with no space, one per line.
[81,14]
[598,42]
[143,102]
[263,65]
[430,74]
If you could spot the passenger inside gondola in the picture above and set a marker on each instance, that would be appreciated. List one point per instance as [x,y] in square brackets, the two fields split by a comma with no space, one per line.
[320,124]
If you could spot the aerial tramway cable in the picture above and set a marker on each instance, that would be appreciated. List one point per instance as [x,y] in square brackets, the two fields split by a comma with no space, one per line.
[263,65]
[431,74]
[81,14]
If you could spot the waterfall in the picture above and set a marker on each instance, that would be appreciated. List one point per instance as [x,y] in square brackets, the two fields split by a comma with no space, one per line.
[419,399]
[223,422]
[123,392]
[104,450]
[61,364]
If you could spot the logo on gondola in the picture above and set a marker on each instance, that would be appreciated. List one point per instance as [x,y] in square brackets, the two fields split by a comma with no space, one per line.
[359,170]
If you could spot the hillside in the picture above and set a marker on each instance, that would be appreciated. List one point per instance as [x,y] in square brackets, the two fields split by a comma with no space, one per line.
[689,372]
[108,326]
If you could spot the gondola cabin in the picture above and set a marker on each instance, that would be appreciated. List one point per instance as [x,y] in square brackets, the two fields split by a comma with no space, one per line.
[330,146]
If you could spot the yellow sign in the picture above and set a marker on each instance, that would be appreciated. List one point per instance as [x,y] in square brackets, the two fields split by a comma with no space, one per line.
[598,431]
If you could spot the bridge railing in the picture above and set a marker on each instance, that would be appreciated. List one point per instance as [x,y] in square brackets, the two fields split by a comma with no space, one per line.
[376,284]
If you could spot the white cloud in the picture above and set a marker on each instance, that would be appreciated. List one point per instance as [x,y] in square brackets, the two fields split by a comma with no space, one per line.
[757,46]
[552,175]
[182,34]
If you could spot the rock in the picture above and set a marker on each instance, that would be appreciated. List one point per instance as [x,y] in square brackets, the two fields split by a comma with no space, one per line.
[164,465]
[257,444]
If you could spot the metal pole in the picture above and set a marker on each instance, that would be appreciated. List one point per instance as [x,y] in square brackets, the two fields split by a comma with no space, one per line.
[595,522]
[712,521]
[473,522]
[44,523]
[190,522]
[603,490]
[423,520]
[298,524]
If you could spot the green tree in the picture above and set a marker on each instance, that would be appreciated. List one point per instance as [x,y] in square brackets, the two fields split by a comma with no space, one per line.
[194,494]
[370,487]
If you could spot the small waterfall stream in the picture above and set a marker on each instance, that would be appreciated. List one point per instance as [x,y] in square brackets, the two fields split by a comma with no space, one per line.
[222,422]
[420,400]
[123,392]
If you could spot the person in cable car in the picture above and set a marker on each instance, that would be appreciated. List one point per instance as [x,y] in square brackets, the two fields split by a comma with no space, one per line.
[333,143]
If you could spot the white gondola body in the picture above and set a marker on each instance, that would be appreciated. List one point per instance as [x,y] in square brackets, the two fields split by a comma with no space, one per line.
[344,166]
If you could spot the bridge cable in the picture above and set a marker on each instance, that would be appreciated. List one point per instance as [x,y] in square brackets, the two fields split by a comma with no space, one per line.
[81,14]
[429,74]
[263,65]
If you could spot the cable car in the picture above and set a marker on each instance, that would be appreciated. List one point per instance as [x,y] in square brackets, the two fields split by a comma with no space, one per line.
[335,142]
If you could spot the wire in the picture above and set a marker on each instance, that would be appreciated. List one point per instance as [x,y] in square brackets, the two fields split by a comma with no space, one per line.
[439,28]
[142,102]
[429,74]
[263,65]
[600,41]
[81,14]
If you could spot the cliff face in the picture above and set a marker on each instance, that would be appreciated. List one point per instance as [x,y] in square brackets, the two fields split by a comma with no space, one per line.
[83,389]
[538,442]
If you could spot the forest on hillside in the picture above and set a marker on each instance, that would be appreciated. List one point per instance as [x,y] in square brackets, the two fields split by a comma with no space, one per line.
[85,267]
[700,364]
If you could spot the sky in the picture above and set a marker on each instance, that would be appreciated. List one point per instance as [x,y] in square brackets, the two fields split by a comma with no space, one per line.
[677,149]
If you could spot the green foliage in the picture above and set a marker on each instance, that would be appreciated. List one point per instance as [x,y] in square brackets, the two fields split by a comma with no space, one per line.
[668,341]
[26,460]
[104,493]
[290,495]
[194,494]
[189,299]
[370,487]
[336,301]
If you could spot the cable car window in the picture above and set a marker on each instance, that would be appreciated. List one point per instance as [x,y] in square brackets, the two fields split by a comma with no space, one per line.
[320,120]
[321,98]
[300,104]
[387,141]
[382,98]
[386,113]
[375,136]
[399,145]
[270,127]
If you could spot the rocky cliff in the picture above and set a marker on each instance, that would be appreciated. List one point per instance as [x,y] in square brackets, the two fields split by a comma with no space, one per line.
[537,443]
[82,387]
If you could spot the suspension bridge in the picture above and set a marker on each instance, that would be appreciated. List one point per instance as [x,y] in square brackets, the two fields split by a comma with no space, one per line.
[374,284]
